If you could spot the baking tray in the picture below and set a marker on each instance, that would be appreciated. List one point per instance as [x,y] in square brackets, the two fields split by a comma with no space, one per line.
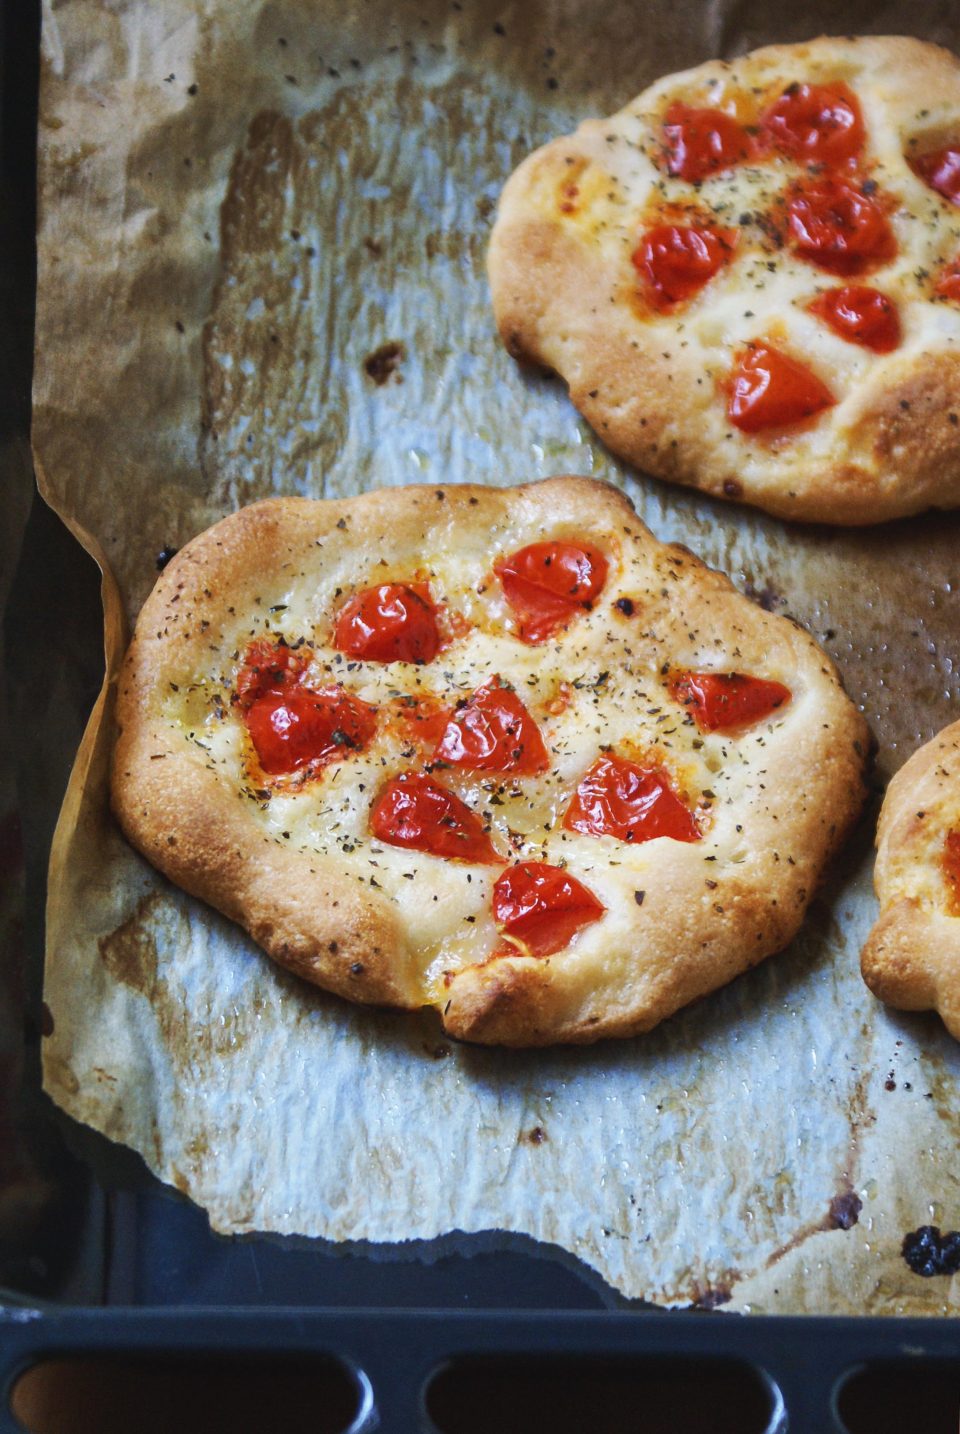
[97,1258]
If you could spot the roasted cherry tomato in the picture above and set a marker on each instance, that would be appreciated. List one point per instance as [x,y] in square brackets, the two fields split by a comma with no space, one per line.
[676,260]
[770,390]
[543,906]
[948,284]
[727,701]
[301,727]
[941,170]
[269,667]
[816,124]
[861,316]
[415,811]
[618,798]
[835,225]
[493,732]
[395,622]
[950,861]
[547,583]
[701,142]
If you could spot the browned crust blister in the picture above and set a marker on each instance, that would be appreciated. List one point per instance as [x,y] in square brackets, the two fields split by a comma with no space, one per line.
[911,959]
[712,909]
[654,388]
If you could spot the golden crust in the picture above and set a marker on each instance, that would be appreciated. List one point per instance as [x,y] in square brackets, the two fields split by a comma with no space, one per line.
[652,386]
[911,958]
[299,869]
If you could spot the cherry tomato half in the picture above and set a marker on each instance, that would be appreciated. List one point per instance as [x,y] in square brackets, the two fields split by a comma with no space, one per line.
[816,124]
[493,732]
[543,906]
[836,226]
[395,622]
[861,316]
[948,284]
[675,261]
[769,389]
[727,701]
[301,727]
[414,811]
[547,583]
[941,170]
[618,798]
[950,862]
[701,142]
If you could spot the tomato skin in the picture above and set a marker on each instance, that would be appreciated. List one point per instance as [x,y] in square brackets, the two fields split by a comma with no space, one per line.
[728,701]
[394,622]
[546,584]
[768,389]
[493,732]
[816,124]
[861,316]
[948,284]
[269,667]
[701,142]
[941,170]
[543,906]
[950,863]
[416,812]
[621,799]
[300,727]
[675,261]
[838,227]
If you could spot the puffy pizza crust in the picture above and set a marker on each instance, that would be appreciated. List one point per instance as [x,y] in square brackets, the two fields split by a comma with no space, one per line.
[911,958]
[564,294]
[300,870]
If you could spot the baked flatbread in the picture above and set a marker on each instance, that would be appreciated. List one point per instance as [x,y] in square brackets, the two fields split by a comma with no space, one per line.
[750,277]
[496,751]
[912,956]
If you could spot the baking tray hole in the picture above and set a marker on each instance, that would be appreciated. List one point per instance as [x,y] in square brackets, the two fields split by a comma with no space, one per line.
[116,1394]
[567,1394]
[888,1398]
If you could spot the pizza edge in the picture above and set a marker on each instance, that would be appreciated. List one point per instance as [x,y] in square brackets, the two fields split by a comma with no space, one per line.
[911,957]
[900,455]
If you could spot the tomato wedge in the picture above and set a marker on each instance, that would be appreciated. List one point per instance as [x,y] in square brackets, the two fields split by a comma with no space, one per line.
[546,584]
[837,226]
[861,316]
[619,798]
[414,811]
[395,622]
[941,170]
[543,907]
[816,124]
[727,701]
[675,261]
[950,861]
[701,142]
[948,284]
[493,732]
[302,727]
[768,389]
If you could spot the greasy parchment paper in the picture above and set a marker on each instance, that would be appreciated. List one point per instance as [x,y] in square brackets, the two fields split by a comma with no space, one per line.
[261,271]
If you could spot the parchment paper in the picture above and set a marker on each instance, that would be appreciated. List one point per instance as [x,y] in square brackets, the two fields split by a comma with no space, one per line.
[261,271]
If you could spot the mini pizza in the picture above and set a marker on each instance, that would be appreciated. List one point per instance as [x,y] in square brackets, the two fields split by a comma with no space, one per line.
[912,956]
[750,277]
[496,751]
